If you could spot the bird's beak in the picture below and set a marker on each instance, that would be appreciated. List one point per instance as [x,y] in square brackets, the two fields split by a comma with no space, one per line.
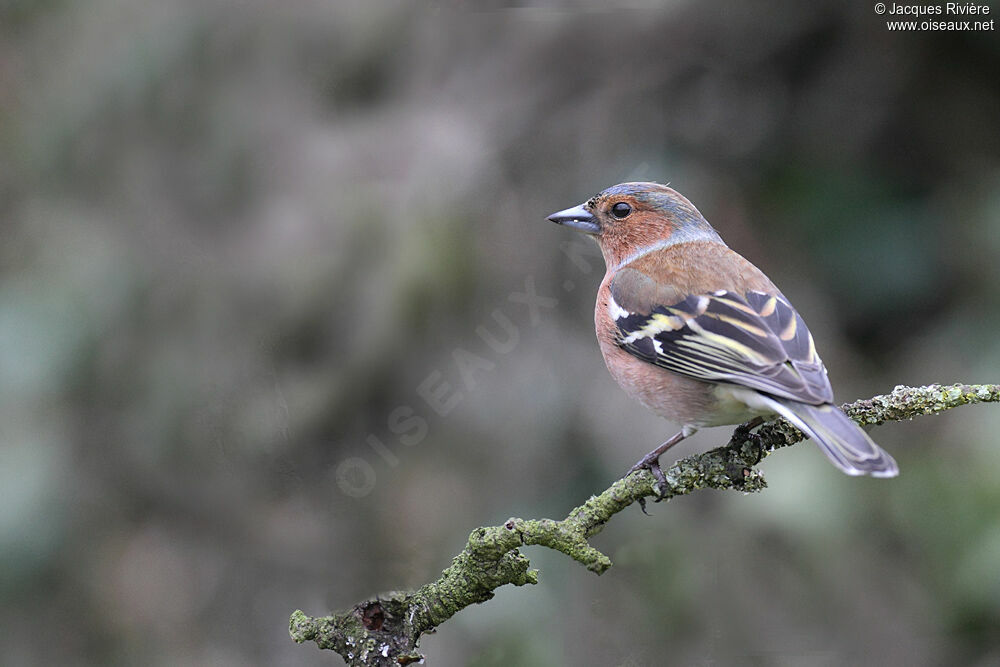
[577,218]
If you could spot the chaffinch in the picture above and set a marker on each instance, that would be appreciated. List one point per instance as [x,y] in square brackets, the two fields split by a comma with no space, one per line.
[701,336]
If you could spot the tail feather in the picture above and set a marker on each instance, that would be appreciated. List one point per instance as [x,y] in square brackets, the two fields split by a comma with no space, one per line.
[844,443]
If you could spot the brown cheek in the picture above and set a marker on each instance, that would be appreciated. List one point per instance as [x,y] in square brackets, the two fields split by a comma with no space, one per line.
[649,228]
[620,238]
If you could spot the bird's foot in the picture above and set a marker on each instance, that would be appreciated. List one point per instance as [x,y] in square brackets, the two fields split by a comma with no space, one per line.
[651,462]
[742,433]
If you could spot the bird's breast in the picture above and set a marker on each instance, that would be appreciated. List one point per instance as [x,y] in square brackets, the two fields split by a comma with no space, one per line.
[678,398]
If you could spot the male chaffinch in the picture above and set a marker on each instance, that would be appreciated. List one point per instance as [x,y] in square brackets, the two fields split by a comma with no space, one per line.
[701,336]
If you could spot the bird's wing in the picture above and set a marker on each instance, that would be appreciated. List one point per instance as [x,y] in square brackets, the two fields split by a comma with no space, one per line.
[753,339]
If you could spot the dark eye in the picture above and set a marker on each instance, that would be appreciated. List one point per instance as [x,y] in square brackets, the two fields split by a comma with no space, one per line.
[621,210]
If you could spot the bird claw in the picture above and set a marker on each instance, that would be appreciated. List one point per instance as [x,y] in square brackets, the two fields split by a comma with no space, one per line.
[652,464]
[742,433]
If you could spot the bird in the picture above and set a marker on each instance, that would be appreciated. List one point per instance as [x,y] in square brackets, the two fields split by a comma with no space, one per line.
[702,337]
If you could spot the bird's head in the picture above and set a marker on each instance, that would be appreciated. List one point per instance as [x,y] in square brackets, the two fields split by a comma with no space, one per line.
[630,218]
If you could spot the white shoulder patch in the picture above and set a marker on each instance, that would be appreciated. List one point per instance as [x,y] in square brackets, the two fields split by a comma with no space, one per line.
[616,311]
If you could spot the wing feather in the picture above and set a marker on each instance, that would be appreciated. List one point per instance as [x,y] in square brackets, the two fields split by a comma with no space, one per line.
[755,340]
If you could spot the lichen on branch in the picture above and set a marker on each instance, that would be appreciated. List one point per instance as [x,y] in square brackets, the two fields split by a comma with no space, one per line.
[386,630]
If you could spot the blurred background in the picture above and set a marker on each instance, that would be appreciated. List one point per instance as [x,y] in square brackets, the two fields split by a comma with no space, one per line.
[265,342]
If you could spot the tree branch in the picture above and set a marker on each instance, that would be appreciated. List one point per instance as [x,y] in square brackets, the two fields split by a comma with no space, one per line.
[386,630]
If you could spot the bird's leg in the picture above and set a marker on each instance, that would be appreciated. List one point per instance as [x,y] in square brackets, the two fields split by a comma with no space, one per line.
[651,462]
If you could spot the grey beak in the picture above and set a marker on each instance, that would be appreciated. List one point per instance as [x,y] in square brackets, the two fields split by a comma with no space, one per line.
[577,218]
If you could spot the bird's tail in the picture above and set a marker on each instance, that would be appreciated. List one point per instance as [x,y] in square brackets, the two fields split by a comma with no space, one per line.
[844,443]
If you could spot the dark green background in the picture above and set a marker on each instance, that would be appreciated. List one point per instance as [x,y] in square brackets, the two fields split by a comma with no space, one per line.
[237,236]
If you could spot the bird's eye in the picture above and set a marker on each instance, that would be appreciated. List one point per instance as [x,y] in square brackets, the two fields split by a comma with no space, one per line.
[621,210]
